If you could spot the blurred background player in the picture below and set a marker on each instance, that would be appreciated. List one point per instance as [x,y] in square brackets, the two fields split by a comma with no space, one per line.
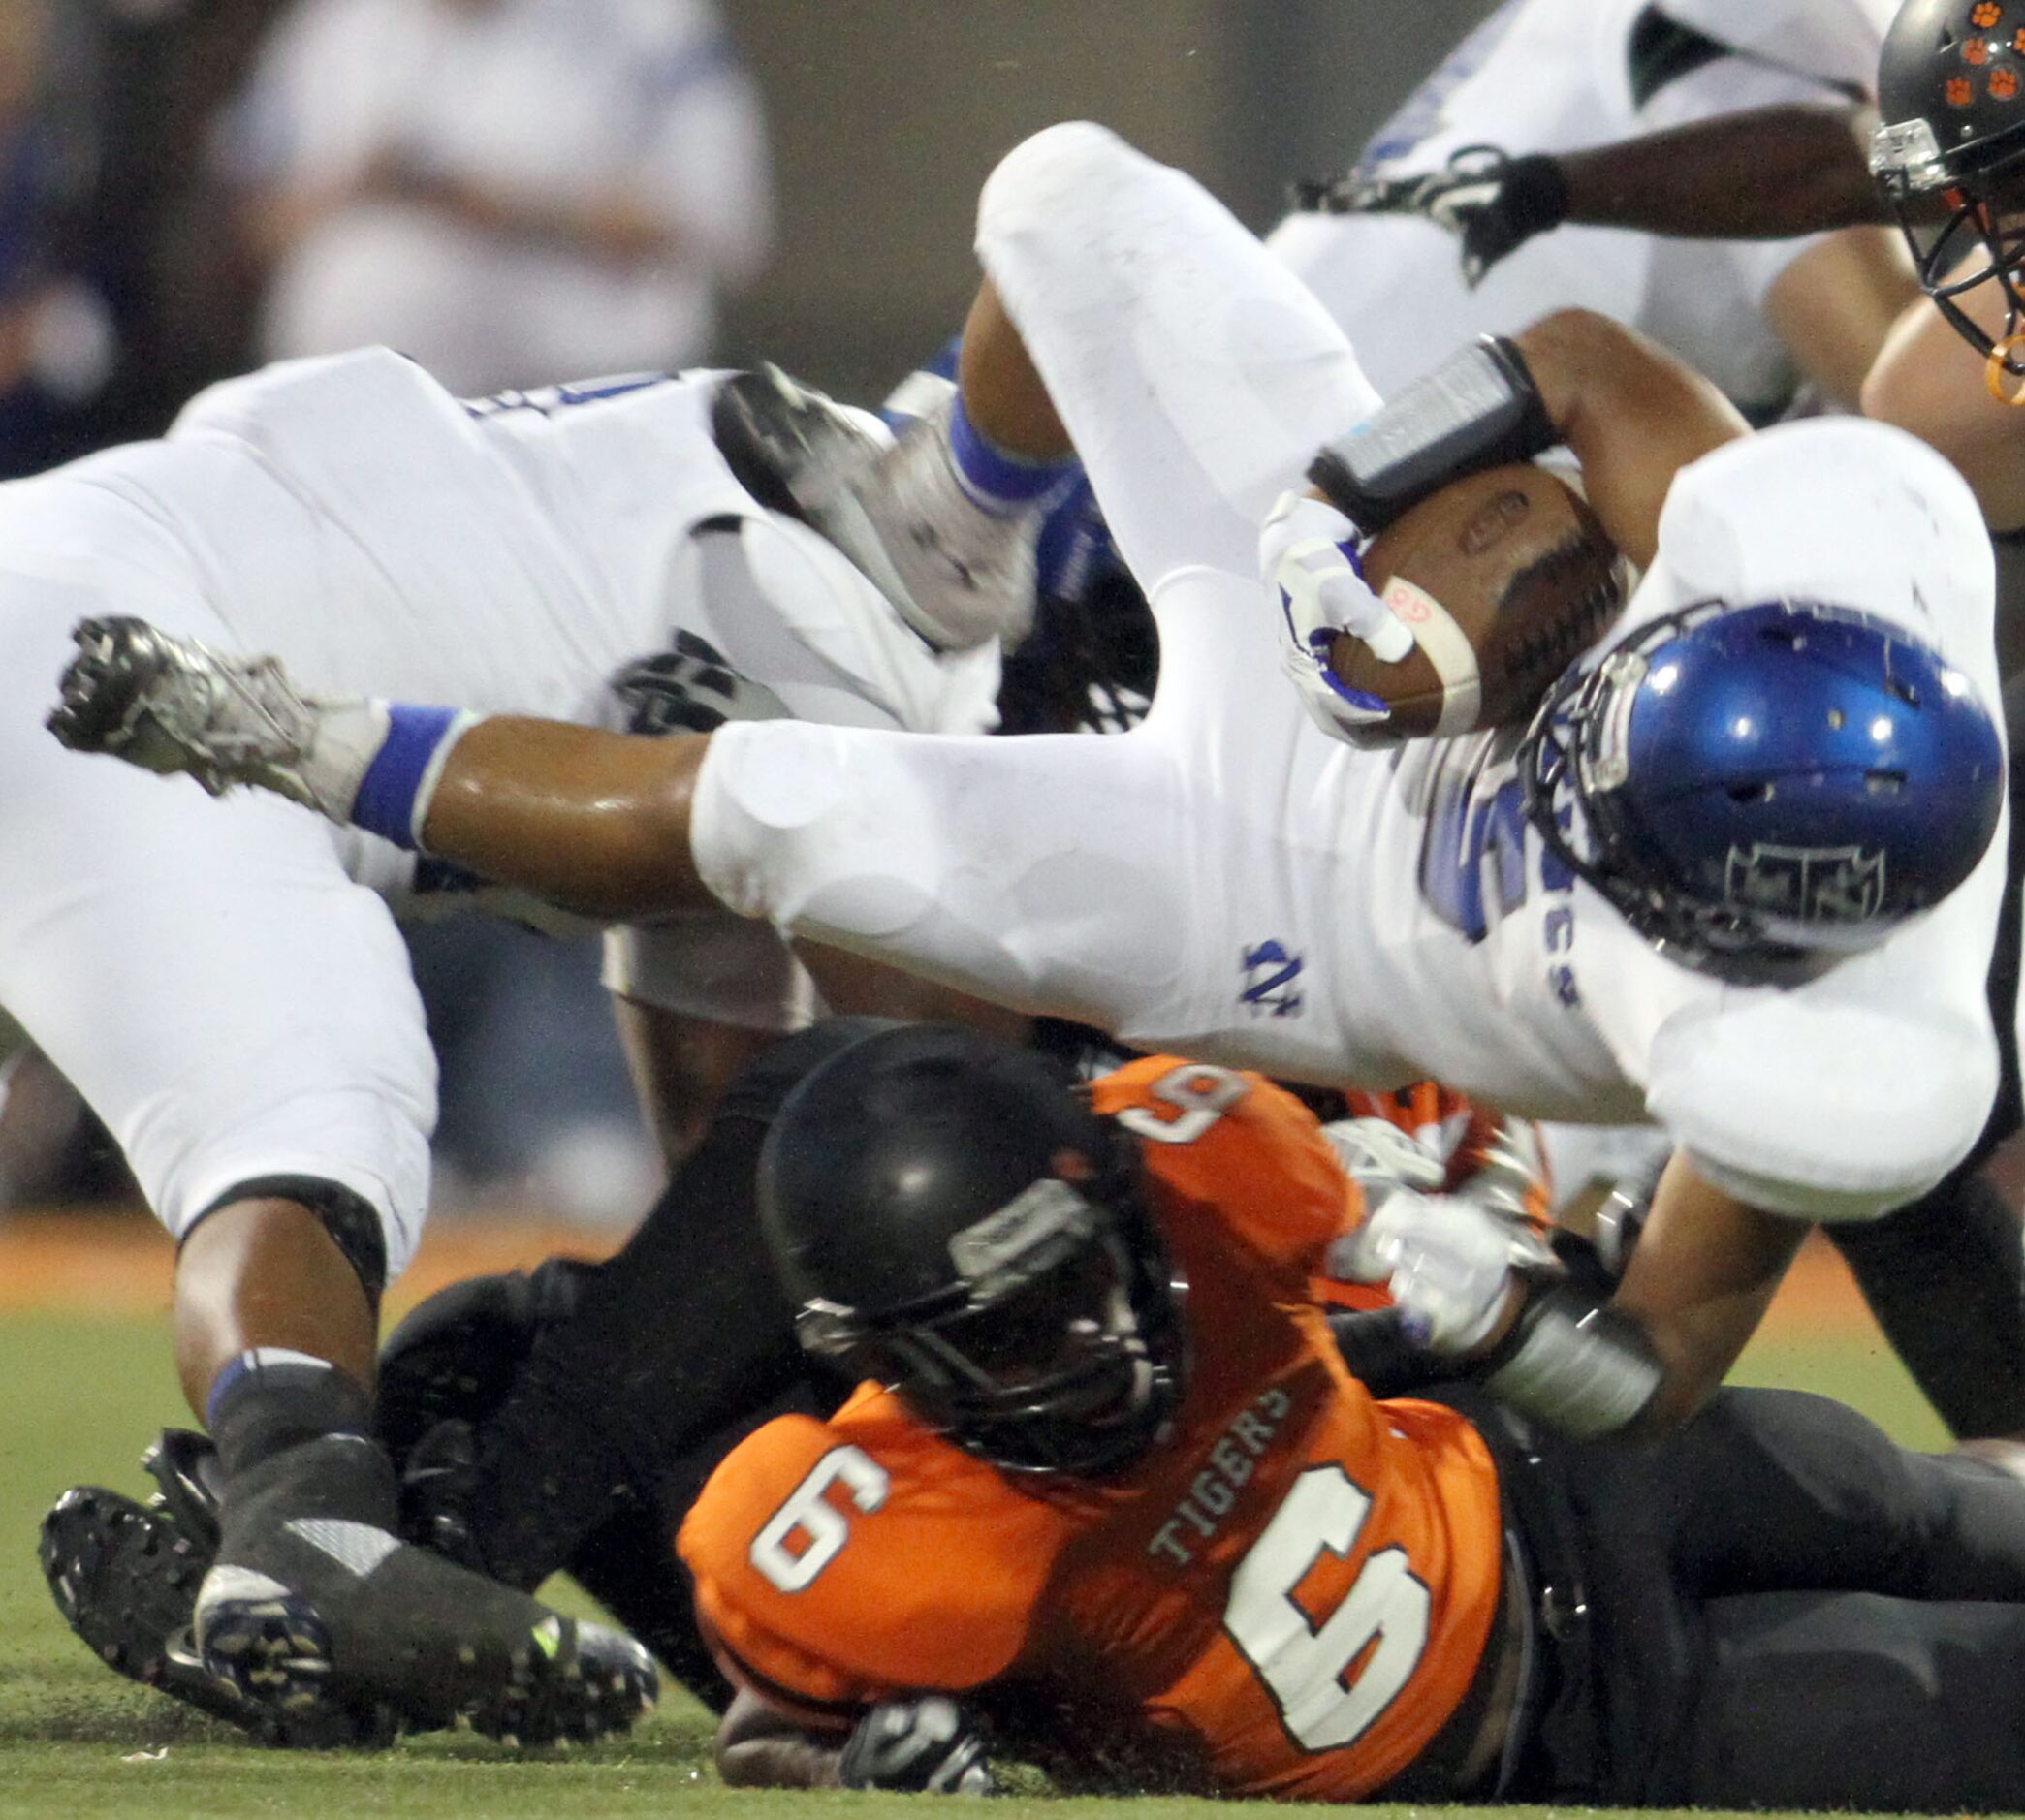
[393,189]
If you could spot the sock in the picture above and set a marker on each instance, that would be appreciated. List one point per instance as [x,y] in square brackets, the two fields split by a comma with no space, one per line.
[271,1399]
[399,780]
[1001,483]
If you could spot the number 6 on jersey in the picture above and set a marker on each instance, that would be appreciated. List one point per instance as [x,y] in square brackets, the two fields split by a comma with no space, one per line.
[1386,1614]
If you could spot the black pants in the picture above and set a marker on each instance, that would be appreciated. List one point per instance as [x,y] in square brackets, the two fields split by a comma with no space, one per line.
[1773,1608]
[601,1397]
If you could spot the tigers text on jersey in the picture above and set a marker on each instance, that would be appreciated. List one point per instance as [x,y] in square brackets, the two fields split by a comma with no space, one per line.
[1288,1596]
[1551,75]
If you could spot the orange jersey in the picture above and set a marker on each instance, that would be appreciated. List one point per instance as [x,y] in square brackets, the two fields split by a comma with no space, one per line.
[1288,1596]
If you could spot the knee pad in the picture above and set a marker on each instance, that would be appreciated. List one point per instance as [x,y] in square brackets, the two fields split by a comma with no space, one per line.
[356,1228]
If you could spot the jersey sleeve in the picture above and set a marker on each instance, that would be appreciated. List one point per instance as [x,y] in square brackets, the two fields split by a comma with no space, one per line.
[1240,1145]
[1844,510]
[1833,1108]
[1832,43]
[838,1563]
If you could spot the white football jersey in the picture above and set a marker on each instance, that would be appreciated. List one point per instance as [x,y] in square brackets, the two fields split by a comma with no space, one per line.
[1228,882]
[1556,75]
[1549,1004]
[512,554]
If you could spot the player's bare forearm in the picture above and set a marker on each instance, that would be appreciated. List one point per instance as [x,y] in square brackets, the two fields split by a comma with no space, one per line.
[1763,173]
[596,822]
[1633,415]
[1704,1271]
[759,1747]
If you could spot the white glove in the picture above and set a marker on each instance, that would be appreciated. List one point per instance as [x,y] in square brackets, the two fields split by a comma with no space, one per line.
[1307,560]
[1380,1157]
[1447,1262]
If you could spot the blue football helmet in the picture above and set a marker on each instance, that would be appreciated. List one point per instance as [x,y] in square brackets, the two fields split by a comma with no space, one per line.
[1758,789]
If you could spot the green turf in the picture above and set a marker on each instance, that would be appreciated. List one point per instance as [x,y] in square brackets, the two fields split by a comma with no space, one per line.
[75,1740]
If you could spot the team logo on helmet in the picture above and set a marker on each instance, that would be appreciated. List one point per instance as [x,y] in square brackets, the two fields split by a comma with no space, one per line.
[1807,884]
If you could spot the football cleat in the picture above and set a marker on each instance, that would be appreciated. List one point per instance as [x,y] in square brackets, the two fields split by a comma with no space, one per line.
[172,704]
[958,573]
[125,1578]
[306,1606]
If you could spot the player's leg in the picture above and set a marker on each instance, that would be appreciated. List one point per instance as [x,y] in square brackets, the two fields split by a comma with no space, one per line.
[1946,1274]
[242,1018]
[1814,1701]
[601,1410]
[1765,1493]
[1772,1489]
[1193,373]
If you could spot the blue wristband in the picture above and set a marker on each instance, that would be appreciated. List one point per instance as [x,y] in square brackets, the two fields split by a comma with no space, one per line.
[386,802]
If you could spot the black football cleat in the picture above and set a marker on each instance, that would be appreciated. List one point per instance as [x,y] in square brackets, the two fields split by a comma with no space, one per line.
[307,1605]
[125,1578]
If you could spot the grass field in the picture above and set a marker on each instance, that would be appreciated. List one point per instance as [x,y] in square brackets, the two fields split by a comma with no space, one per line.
[84,1392]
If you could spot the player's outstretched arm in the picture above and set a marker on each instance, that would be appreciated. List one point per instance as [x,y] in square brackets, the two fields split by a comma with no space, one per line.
[1630,413]
[1761,173]
[1550,1343]
[1701,1280]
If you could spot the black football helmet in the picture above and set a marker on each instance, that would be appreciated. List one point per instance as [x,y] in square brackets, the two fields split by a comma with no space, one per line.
[1950,154]
[954,1221]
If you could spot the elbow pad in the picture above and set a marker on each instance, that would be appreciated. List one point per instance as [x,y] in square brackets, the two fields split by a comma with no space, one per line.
[1479,409]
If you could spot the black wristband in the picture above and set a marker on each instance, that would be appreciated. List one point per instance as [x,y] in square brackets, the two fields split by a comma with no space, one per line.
[1479,409]
[1534,196]
[1573,1364]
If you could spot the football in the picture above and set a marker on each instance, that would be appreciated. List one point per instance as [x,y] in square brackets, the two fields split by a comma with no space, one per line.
[1504,576]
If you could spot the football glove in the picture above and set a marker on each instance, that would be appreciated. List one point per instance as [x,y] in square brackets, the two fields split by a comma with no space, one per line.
[1492,203]
[1309,559]
[1447,1262]
[926,1745]
[690,688]
[1380,1156]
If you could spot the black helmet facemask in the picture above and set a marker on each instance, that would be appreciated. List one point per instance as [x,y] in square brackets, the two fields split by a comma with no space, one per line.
[1949,159]
[1058,1351]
